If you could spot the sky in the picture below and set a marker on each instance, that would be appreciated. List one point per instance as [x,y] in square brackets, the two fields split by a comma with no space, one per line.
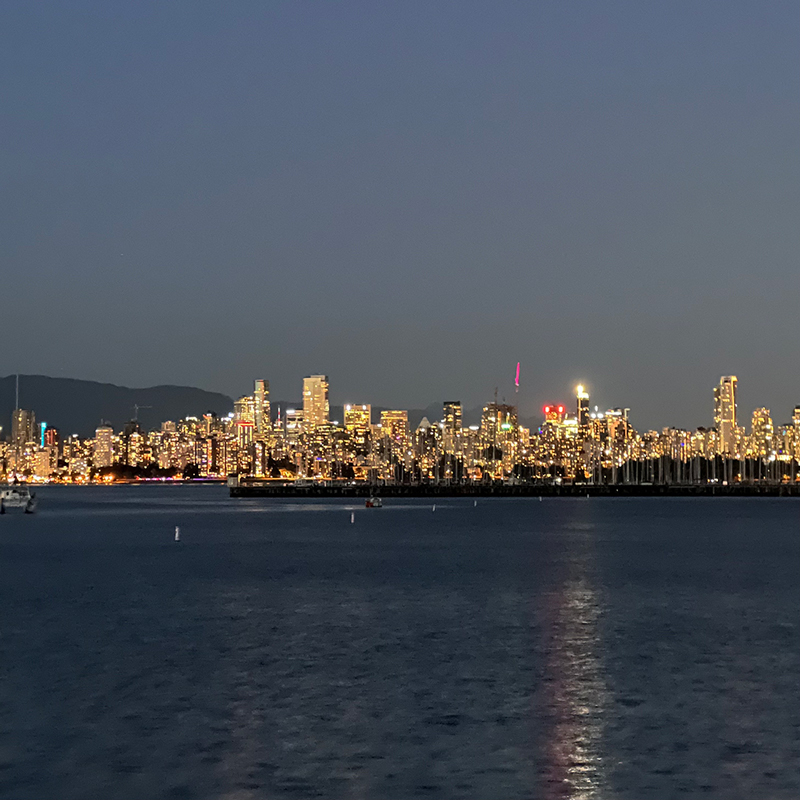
[408,197]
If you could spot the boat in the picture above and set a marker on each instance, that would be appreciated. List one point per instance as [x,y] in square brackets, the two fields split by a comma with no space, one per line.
[373,502]
[17,495]
[14,497]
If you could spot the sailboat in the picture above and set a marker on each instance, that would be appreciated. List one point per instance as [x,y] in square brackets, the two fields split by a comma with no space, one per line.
[17,495]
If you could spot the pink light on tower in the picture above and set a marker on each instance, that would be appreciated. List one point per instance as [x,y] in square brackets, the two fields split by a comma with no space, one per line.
[516,379]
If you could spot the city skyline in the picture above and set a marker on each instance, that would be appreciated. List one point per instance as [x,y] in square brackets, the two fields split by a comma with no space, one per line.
[261,440]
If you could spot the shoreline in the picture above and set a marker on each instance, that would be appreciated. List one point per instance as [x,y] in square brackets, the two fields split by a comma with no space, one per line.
[527,490]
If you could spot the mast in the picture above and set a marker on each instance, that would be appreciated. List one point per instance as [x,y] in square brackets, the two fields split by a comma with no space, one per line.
[16,438]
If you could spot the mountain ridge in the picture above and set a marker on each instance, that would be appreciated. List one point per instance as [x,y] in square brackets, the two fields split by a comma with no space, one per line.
[78,406]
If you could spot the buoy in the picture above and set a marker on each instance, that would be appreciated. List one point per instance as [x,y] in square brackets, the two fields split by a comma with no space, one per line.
[177,534]
[352,517]
[475,504]
[434,507]
[540,498]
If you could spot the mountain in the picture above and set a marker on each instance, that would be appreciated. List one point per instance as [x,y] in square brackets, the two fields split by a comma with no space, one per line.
[75,406]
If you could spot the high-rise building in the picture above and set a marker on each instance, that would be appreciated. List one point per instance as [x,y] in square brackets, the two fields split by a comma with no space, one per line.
[582,410]
[52,437]
[725,413]
[244,417]
[103,447]
[357,422]
[23,428]
[451,426]
[394,424]
[262,409]
[452,417]
[316,408]
[762,433]
[554,414]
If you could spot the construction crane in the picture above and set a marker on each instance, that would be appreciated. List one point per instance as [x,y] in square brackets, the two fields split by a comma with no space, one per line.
[136,408]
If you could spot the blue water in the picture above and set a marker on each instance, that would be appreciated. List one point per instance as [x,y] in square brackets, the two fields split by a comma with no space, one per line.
[641,648]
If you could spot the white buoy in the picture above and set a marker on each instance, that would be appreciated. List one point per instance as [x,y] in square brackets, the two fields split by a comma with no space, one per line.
[177,534]
[475,504]
[434,507]
[352,517]
[540,498]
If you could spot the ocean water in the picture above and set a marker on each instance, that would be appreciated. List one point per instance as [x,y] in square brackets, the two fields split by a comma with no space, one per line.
[635,648]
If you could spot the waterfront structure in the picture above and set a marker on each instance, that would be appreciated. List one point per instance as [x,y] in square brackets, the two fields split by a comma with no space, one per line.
[725,407]
[316,408]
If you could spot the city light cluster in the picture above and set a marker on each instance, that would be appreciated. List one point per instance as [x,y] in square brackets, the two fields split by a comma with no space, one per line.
[303,444]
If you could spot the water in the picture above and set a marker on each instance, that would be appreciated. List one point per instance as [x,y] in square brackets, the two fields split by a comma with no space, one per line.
[573,648]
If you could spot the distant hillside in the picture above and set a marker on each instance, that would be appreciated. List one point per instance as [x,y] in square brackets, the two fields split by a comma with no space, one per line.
[75,406]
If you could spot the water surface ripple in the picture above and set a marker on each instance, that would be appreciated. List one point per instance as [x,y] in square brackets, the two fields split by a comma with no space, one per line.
[636,648]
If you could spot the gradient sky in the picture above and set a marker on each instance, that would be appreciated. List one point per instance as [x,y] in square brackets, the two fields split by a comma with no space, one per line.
[409,197]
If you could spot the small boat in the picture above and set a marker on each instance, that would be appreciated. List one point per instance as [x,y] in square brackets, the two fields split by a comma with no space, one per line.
[373,502]
[13,497]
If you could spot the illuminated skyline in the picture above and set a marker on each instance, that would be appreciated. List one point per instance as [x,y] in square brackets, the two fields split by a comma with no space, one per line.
[588,444]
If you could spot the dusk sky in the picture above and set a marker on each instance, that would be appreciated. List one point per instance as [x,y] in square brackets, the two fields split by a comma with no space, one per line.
[408,197]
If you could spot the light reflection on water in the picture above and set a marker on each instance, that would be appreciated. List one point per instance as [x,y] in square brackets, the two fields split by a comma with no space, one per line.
[574,698]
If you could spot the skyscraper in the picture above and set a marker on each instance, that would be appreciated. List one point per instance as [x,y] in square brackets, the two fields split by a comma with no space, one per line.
[394,424]
[762,433]
[244,417]
[725,413]
[452,422]
[452,418]
[582,411]
[23,428]
[316,408]
[357,422]
[262,410]
[103,455]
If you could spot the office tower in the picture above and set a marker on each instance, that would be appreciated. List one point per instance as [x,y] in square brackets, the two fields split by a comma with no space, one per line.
[293,421]
[394,424]
[451,426]
[52,438]
[452,418]
[725,413]
[316,408]
[762,432]
[357,422]
[103,447]
[582,413]
[244,419]
[553,414]
[261,410]
[23,428]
